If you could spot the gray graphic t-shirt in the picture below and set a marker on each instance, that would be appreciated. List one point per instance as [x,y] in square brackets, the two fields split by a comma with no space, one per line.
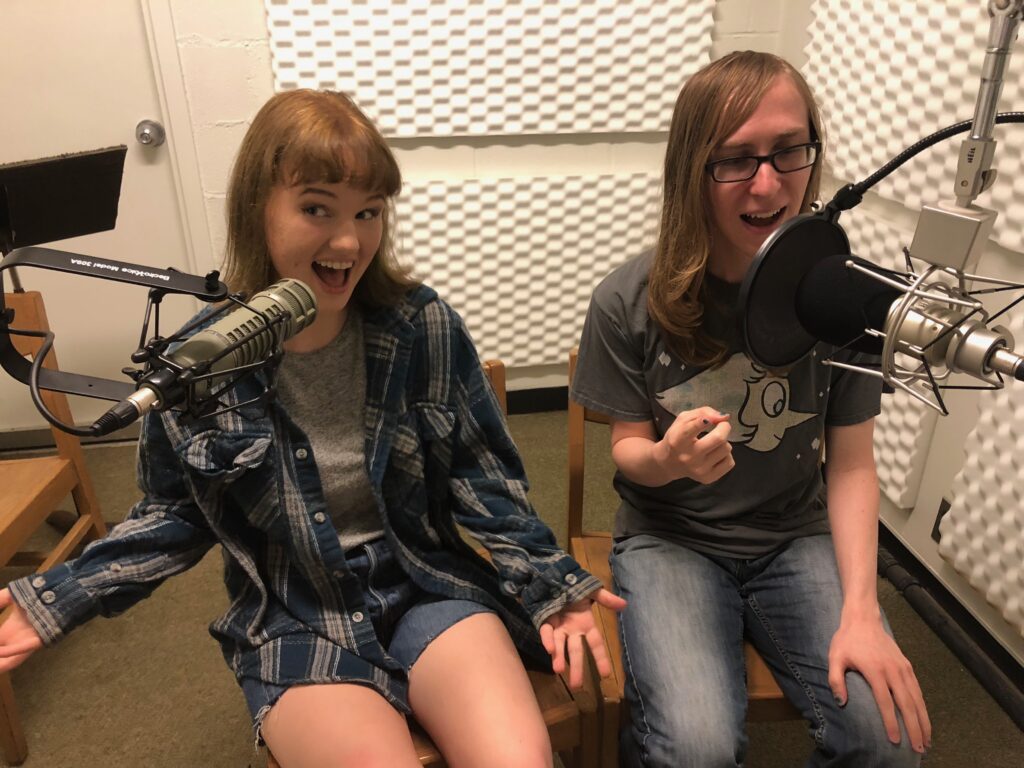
[774,493]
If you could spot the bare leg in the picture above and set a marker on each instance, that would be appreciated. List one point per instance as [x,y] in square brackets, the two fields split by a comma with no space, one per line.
[336,726]
[470,692]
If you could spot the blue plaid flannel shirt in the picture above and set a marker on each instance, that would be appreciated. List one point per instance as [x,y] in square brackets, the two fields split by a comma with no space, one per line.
[438,454]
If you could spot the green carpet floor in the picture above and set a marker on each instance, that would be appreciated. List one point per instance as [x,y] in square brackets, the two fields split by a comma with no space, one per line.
[150,688]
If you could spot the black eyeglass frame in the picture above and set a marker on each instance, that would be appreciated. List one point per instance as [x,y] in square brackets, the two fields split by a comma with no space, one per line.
[761,159]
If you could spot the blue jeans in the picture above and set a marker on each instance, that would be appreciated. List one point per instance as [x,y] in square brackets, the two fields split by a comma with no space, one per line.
[682,642]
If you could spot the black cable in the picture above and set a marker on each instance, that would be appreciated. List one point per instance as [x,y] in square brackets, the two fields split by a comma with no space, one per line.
[33,383]
[956,637]
[851,194]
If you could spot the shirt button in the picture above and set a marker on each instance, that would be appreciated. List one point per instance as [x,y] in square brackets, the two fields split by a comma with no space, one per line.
[301,454]
[38,582]
[115,567]
[357,616]
[48,597]
[320,517]
[570,578]
[509,587]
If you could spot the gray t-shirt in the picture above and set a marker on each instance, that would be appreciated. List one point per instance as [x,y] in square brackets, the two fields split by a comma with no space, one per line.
[773,494]
[333,418]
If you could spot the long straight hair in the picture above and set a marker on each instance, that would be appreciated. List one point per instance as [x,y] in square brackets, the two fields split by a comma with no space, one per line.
[712,105]
[305,136]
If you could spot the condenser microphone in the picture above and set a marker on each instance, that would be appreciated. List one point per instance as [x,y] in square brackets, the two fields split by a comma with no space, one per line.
[804,286]
[242,338]
[842,299]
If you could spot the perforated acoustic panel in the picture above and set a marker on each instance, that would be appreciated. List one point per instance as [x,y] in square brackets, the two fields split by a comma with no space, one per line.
[903,430]
[982,534]
[890,72]
[462,67]
[519,257]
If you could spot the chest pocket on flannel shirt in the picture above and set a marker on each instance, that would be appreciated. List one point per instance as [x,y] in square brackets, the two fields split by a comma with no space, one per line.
[217,458]
[423,442]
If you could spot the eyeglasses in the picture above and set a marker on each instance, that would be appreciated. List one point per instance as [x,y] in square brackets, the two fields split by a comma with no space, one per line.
[783,160]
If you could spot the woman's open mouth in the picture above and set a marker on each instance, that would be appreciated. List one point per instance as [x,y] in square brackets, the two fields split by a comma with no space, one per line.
[333,274]
[768,219]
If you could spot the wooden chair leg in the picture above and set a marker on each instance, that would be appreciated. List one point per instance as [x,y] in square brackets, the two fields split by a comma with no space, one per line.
[585,748]
[589,699]
[12,736]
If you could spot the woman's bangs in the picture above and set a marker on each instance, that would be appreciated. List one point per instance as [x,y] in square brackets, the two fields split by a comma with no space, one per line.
[352,157]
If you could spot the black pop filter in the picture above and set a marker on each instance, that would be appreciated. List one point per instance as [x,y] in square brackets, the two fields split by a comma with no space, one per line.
[836,302]
[770,329]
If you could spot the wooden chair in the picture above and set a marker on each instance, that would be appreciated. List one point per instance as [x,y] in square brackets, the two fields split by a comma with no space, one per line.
[765,701]
[571,716]
[30,491]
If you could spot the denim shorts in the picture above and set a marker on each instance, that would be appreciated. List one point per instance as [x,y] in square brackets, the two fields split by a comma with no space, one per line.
[405,618]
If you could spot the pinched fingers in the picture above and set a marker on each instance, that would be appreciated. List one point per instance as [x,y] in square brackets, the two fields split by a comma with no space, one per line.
[697,446]
[712,457]
[719,461]
[690,425]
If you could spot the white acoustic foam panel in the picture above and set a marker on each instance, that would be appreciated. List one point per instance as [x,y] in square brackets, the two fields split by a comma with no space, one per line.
[904,428]
[890,72]
[464,67]
[982,534]
[519,257]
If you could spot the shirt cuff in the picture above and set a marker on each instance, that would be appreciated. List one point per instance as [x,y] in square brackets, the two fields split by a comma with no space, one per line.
[55,602]
[554,590]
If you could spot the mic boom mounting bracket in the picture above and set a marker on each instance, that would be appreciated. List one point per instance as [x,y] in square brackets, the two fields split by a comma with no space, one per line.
[160,282]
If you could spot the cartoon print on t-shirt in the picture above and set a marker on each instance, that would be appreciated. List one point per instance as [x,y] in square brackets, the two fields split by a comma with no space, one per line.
[758,401]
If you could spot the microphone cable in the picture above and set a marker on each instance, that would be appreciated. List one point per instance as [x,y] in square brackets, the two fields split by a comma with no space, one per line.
[33,384]
[852,194]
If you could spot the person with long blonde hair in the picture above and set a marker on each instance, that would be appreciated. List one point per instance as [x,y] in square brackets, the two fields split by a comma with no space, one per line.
[355,602]
[725,529]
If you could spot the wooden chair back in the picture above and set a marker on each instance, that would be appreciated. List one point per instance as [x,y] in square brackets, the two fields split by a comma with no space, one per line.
[765,700]
[31,490]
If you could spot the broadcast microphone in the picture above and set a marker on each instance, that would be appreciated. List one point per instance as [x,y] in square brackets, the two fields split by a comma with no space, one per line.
[173,379]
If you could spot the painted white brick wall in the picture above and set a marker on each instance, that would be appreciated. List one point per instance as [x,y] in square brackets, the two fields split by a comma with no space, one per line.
[225,62]
[747,24]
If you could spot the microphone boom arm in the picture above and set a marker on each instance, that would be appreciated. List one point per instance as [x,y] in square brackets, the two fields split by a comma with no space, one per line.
[974,170]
